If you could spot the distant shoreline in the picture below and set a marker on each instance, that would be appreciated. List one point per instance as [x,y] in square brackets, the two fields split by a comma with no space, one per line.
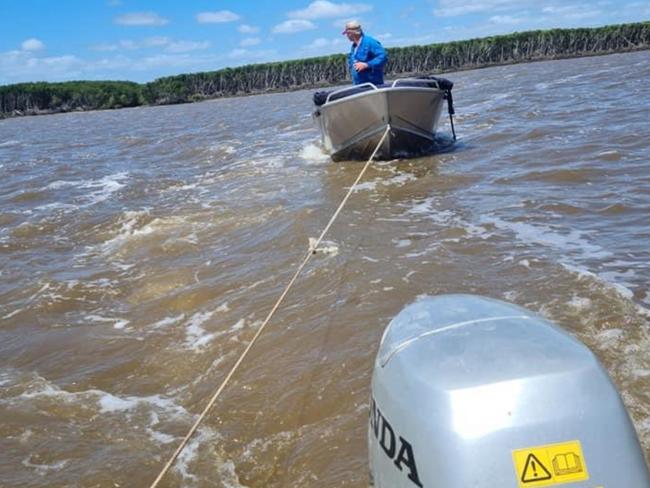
[520,47]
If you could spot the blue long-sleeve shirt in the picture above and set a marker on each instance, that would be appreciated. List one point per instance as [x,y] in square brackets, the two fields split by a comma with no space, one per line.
[369,51]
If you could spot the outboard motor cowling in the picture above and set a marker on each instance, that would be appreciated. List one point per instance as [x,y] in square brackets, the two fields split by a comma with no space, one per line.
[470,392]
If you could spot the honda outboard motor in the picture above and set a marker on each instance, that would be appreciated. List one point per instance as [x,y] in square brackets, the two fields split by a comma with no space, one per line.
[470,392]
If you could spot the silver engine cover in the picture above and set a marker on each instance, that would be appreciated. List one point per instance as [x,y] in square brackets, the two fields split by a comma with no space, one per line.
[470,392]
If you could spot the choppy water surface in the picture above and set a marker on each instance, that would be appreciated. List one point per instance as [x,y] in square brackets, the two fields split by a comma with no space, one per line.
[140,249]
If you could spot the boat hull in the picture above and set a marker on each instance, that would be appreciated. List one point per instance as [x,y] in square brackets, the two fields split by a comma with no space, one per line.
[352,127]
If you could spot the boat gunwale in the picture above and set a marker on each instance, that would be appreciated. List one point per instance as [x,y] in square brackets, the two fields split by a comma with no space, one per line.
[379,91]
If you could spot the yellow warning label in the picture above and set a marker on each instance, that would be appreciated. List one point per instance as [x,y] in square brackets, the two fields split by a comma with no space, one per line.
[550,465]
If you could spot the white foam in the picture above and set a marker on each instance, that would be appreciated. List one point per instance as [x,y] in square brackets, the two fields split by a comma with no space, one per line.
[510,295]
[118,323]
[228,475]
[167,321]
[643,311]
[580,303]
[105,402]
[58,184]
[610,338]
[400,179]
[43,469]
[313,154]
[622,290]
[581,272]
[525,263]
[188,455]
[405,279]
[65,207]
[325,247]
[619,280]
[5,379]
[238,326]
[160,437]
[261,445]
[562,240]
[619,288]
[425,207]
[10,143]
[185,187]
[122,266]
[11,314]
[397,180]
[368,258]
[110,404]
[131,229]
[45,287]
[417,254]
[367,186]
[196,336]
[103,188]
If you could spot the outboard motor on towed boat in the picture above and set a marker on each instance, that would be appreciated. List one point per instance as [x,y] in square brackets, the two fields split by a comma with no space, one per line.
[470,392]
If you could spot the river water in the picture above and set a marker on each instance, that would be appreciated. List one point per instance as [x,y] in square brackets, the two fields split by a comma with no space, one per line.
[140,249]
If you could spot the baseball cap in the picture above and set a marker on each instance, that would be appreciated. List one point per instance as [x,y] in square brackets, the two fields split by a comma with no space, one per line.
[353,25]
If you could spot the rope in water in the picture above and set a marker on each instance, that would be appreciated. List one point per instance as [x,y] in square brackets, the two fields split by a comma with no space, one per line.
[310,253]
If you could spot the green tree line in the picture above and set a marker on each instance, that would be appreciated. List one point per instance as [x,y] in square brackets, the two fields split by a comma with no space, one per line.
[35,98]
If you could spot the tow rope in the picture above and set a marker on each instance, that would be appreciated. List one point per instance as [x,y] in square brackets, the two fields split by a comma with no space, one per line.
[312,250]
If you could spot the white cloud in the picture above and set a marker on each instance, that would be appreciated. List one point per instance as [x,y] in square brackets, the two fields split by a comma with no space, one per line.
[250,41]
[155,41]
[321,9]
[20,66]
[319,43]
[219,17]
[506,20]
[325,46]
[238,53]
[293,26]
[248,29]
[642,9]
[572,12]
[131,45]
[411,41]
[141,19]
[169,45]
[186,46]
[247,56]
[32,45]
[450,8]
[104,46]
[407,11]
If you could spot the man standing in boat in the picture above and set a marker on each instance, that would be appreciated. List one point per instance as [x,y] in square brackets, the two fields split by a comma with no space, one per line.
[367,56]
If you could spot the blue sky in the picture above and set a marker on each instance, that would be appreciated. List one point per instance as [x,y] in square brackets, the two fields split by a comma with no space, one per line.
[141,40]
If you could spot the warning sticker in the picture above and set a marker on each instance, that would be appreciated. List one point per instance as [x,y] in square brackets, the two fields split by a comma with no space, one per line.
[550,465]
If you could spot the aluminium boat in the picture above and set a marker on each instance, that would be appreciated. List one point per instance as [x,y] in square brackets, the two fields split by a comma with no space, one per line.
[352,120]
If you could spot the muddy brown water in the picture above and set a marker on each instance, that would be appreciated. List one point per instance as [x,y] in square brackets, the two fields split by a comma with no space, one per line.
[141,248]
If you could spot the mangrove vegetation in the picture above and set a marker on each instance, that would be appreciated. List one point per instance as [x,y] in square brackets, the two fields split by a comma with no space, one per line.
[37,98]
